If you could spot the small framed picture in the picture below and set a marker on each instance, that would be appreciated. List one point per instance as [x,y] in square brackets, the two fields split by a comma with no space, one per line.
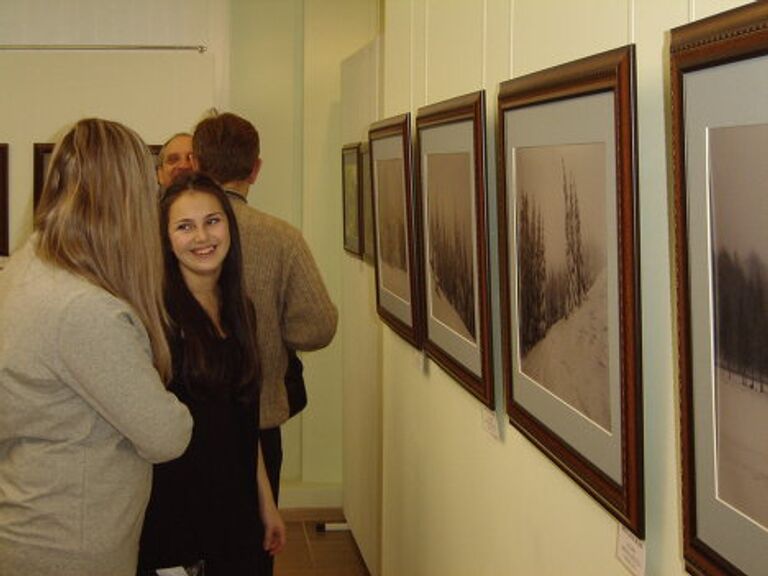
[4,204]
[365,169]
[569,270]
[397,287]
[351,176]
[719,82]
[451,208]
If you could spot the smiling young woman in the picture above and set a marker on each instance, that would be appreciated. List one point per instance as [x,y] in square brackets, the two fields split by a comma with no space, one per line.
[214,504]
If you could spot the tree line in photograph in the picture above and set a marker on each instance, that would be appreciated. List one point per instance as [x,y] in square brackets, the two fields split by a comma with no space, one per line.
[393,243]
[450,260]
[392,231]
[549,295]
[742,317]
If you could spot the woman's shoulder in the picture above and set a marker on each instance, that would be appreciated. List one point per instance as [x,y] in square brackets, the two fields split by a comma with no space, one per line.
[56,291]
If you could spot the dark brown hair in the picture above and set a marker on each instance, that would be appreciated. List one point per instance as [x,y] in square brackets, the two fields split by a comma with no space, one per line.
[226,147]
[202,369]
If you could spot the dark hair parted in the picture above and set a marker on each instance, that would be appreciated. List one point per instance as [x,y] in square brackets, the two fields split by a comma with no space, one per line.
[204,369]
[226,147]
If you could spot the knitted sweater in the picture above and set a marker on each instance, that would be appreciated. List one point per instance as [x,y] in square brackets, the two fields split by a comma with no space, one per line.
[83,415]
[293,309]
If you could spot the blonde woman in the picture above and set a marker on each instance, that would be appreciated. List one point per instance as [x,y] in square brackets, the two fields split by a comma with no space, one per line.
[84,412]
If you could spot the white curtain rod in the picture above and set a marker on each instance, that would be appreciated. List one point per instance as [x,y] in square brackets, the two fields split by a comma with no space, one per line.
[52,47]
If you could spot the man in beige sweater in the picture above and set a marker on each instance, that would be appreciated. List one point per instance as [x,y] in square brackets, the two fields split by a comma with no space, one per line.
[293,309]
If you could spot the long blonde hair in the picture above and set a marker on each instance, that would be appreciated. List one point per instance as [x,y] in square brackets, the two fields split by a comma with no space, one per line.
[98,218]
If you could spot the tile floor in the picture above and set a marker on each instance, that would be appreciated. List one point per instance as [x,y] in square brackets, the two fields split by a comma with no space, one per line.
[313,553]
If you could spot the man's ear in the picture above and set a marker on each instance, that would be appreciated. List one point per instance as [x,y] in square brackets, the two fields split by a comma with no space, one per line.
[255,172]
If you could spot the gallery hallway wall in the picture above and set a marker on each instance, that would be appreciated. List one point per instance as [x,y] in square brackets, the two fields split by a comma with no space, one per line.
[455,499]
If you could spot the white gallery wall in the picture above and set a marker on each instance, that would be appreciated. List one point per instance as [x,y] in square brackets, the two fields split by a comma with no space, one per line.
[455,499]
[286,78]
[156,91]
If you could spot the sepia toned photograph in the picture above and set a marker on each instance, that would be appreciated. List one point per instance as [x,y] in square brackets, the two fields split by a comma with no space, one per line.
[718,90]
[350,164]
[450,245]
[452,228]
[739,204]
[393,239]
[394,242]
[561,259]
[569,271]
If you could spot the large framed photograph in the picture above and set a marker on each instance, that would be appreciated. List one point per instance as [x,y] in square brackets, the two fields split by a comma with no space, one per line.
[719,81]
[5,221]
[365,169]
[351,177]
[569,271]
[397,280]
[451,208]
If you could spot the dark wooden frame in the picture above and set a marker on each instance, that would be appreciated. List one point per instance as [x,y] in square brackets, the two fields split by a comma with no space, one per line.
[366,189]
[5,218]
[41,152]
[354,248]
[468,108]
[400,127]
[734,35]
[612,72]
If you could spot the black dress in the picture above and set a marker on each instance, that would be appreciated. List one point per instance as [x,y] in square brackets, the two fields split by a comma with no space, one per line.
[204,505]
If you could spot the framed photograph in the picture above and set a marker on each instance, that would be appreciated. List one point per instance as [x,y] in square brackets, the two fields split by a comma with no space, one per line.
[365,169]
[351,178]
[569,271]
[397,284]
[5,221]
[720,142]
[451,208]
[42,156]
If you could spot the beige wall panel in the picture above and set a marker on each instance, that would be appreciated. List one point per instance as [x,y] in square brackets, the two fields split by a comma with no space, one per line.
[45,92]
[361,337]
[454,37]
[705,8]
[551,32]
[106,21]
[662,471]
[325,46]
[267,88]
[397,59]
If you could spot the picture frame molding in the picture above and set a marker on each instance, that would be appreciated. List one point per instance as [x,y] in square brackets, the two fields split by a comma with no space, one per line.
[608,72]
[735,35]
[39,152]
[5,224]
[356,251]
[468,107]
[398,126]
[366,191]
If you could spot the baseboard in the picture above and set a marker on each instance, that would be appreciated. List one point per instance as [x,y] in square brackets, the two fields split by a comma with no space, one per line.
[312,515]
[310,495]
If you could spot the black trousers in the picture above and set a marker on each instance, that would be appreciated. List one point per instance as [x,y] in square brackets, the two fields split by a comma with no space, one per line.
[271,442]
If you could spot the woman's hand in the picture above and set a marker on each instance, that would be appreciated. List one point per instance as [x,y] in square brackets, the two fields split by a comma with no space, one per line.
[274,527]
